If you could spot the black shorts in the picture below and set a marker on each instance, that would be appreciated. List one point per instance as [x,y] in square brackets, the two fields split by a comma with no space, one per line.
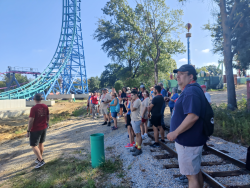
[37,137]
[155,121]
[124,109]
[128,121]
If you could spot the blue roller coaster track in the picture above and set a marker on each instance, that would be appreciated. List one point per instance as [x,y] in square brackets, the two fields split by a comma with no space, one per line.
[66,73]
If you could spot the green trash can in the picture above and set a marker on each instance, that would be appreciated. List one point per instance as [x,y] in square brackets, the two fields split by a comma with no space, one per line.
[97,149]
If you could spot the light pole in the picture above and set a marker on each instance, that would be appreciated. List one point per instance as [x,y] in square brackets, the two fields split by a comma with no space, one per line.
[188,35]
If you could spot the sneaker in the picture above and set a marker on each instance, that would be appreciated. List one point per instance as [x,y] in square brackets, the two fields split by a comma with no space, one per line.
[105,123]
[155,145]
[87,114]
[137,152]
[182,179]
[142,137]
[94,117]
[133,149]
[37,161]
[163,141]
[145,135]
[114,128]
[129,145]
[40,164]
[133,143]
[109,123]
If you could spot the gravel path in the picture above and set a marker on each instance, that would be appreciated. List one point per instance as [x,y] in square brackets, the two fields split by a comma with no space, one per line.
[143,171]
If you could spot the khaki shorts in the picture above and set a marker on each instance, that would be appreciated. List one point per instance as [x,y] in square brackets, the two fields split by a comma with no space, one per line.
[136,126]
[189,159]
[104,111]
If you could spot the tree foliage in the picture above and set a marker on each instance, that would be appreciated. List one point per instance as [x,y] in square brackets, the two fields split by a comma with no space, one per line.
[140,40]
[93,83]
[118,85]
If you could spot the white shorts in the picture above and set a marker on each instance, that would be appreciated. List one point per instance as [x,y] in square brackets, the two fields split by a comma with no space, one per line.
[136,126]
[189,159]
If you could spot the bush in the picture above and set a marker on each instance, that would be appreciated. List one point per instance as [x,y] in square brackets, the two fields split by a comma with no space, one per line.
[233,126]
[118,85]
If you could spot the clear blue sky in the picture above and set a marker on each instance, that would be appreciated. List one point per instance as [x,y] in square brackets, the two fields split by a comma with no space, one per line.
[30,31]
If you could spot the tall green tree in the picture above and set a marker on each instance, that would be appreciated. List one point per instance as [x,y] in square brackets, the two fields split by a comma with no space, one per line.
[156,25]
[111,74]
[226,33]
[93,83]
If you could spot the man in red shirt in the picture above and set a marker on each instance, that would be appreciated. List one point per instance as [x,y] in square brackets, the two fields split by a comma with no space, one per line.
[38,123]
[94,100]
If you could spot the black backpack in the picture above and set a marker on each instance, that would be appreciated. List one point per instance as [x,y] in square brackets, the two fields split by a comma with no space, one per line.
[208,120]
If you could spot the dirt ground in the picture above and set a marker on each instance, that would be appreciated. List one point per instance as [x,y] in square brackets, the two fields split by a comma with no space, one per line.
[13,127]
[219,97]
[63,138]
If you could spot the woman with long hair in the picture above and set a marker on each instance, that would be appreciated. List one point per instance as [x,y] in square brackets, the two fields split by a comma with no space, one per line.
[113,105]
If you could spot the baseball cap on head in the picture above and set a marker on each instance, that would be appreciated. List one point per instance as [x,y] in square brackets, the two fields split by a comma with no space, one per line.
[185,68]
[142,86]
[203,86]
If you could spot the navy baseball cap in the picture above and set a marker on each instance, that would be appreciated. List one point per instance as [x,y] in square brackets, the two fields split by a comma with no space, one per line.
[185,68]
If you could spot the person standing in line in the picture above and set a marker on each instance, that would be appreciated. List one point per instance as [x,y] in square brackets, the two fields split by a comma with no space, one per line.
[38,123]
[121,103]
[89,107]
[151,93]
[144,115]
[99,102]
[113,105]
[124,99]
[204,88]
[142,90]
[186,127]
[156,112]
[94,100]
[105,100]
[135,106]
[172,100]
[131,133]
[128,89]
[164,94]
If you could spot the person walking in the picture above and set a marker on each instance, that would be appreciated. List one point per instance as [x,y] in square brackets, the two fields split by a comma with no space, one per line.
[113,111]
[94,100]
[144,114]
[121,103]
[186,127]
[204,88]
[38,123]
[135,106]
[172,100]
[105,100]
[156,112]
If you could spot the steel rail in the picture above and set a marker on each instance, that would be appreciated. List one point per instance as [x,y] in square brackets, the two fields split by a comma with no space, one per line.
[207,178]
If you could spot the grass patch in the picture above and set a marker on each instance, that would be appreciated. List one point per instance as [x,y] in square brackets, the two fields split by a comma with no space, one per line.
[20,131]
[68,173]
[56,118]
[233,126]
[79,112]
[211,90]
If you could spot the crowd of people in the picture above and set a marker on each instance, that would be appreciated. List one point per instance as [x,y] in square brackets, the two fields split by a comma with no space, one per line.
[140,109]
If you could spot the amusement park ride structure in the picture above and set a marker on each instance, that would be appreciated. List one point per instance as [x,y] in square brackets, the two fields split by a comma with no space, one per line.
[66,73]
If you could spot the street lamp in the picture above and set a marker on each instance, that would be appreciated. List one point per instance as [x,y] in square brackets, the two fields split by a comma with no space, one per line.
[188,35]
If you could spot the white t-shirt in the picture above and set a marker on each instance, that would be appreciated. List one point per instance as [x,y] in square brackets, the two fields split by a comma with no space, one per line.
[105,97]
[208,97]
[136,115]
[145,104]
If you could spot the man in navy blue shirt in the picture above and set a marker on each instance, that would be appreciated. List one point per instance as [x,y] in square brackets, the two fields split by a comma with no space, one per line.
[164,94]
[187,125]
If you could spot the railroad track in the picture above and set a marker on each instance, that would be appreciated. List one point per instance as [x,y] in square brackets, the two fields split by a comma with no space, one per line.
[209,177]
